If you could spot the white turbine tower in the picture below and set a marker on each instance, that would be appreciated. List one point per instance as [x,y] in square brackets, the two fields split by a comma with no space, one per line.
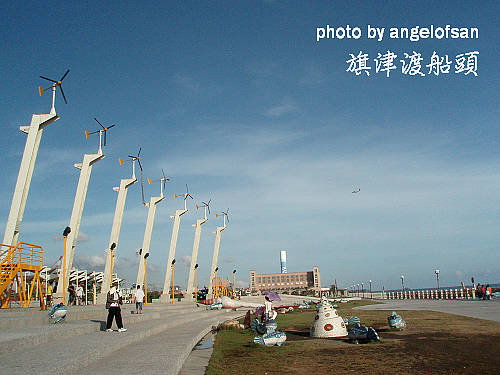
[149,227]
[34,132]
[76,216]
[196,245]
[173,243]
[215,257]
[115,230]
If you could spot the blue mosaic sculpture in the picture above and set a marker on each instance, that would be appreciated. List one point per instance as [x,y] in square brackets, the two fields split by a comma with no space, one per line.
[362,333]
[58,312]
[395,321]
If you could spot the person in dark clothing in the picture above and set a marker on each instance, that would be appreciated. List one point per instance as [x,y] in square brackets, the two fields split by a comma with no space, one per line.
[113,302]
[72,295]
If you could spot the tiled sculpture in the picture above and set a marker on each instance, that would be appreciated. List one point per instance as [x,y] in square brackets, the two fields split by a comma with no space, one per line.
[395,321]
[270,336]
[362,333]
[327,322]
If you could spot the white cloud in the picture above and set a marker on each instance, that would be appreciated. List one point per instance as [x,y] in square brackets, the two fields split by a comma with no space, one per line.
[185,260]
[287,106]
[89,262]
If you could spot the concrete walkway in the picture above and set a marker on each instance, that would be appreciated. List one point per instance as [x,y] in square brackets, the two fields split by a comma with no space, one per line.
[156,342]
[489,310]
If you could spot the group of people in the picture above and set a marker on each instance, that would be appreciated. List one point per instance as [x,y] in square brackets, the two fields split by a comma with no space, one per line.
[483,292]
[76,294]
[114,300]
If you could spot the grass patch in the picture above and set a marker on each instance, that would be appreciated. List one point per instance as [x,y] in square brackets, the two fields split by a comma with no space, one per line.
[433,343]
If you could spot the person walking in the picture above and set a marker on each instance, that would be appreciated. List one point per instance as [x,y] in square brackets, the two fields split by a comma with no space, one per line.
[113,302]
[79,294]
[139,298]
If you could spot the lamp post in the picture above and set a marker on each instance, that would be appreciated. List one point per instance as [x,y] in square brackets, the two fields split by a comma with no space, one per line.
[234,284]
[173,289]
[195,283]
[363,289]
[358,289]
[146,277]
[437,277]
[371,295]
[67,231]
[403,283]
[112,248]
[215,282]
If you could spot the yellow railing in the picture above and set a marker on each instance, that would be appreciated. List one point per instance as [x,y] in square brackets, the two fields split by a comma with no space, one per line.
[222,287]
[15,260]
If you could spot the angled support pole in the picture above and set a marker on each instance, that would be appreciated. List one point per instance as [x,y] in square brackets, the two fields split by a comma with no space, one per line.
[164,298]
[76,217]
[115,235]
[34,131]
[146,242]
[194,257]
[215,257]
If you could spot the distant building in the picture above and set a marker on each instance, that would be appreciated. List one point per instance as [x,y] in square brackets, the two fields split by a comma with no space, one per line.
[286,282]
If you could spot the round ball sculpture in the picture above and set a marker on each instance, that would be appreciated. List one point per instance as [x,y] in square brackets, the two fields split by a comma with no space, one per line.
[327,322]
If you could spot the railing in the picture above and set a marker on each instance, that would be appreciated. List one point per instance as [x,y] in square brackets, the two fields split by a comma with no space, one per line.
[24,254]
[467,293]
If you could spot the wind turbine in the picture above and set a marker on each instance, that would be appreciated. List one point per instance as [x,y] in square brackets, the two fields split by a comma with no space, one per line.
[173,243]
[34,135]
[133,159]
[76,216]
[149,226]
[196,245]
[115,234]
[102,131]
[215,257]
[55,84]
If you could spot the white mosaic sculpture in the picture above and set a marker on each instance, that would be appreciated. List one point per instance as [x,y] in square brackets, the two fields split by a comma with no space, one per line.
[327,322]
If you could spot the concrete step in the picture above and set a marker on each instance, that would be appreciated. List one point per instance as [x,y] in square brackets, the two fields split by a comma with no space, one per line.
[31,317]
[16,338]
[163,353]
[62,354]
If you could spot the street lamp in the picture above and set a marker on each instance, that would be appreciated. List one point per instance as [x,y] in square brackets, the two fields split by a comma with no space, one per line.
[111,249]
[195,283]
[67,231]
[363,289]
[371,295]
[145,277]
[403,283]
[437,277]
[234,284]
[173,290]
[215,286]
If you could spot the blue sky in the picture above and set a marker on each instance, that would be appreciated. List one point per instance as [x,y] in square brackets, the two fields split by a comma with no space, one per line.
[243,104]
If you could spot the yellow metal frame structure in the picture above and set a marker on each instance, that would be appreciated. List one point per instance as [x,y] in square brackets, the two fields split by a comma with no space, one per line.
[14,261]
[222,287]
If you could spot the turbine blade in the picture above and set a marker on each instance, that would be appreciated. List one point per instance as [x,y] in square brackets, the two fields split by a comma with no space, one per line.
[99,123]
[48,79]
[64,96]
[105,137]
[140,148]
[64,76]
[109,127]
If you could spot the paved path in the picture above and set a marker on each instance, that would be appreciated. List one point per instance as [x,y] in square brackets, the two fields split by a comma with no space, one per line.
[489,310]
[157,342]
